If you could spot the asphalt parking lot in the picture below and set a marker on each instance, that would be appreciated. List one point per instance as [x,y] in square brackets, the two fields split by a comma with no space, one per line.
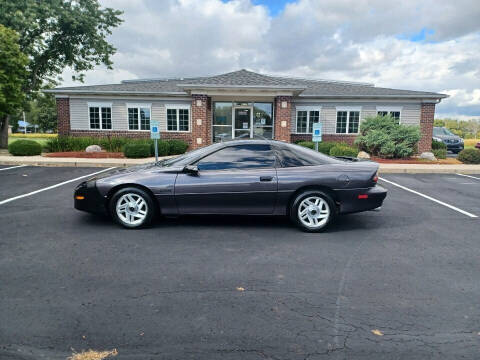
[398,283]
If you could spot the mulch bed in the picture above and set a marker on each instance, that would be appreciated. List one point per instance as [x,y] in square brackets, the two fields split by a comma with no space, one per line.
[87,155]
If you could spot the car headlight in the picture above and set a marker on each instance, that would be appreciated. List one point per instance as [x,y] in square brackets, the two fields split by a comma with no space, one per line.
[437,139]
[461,140]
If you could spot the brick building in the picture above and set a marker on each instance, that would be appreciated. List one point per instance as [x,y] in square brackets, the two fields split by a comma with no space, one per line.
[241,104]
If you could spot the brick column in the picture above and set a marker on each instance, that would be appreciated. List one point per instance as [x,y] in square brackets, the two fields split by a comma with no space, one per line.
[201,117]
[426,127]
[63,116]
[283,118]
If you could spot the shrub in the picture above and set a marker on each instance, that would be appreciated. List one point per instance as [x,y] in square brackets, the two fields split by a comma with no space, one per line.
[438,145]
[382,136]
[177,147]
[25,148]
[469,156]
[325,146]
[440,153]
[136,150]
[343,150]
[163,148]
[307,144]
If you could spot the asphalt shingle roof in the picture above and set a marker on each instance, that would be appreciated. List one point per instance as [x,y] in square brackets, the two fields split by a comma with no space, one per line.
[245,78]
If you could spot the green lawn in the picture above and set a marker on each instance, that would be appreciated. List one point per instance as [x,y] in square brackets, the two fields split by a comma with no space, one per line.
[41,141]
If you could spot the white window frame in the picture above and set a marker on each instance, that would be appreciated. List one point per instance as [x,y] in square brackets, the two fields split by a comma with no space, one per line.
[138,106]
[99,105]
[389,109]
[178,107]
[307,109]
[348,109]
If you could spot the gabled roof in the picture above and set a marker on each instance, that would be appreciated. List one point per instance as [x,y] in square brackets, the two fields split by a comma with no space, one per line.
[247,79]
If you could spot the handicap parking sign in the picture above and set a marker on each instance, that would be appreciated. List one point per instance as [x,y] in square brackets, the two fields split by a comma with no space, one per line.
[317,132]
[154,130]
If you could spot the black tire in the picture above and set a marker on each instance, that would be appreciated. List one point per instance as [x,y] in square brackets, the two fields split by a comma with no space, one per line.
[136,194]
[327,201]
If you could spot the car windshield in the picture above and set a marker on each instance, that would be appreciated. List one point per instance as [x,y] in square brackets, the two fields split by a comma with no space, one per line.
[186,158]
[439,131]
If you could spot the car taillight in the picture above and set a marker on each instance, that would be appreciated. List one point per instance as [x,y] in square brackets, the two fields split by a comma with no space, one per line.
[375,177]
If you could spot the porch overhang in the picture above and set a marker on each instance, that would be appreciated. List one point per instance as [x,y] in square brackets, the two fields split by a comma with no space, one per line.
[240,90]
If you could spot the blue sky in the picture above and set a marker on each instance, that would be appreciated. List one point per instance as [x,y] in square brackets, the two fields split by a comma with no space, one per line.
[430,45]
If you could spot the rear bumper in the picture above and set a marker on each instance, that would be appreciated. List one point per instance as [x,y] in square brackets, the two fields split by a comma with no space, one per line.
[92,202]
[350,202]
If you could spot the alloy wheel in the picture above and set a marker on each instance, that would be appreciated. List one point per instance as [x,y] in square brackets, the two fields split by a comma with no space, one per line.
[313,212]
[132,209]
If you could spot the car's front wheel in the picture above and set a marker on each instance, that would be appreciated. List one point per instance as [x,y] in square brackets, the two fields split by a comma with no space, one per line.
[132,207]
[312,211]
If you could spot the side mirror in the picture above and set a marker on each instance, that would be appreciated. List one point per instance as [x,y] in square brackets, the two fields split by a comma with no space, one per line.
[191,169]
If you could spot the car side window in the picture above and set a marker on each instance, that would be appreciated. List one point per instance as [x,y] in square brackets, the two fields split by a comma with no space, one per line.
[299,157]
[246,156]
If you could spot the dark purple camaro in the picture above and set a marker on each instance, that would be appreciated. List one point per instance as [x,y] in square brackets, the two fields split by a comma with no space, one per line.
[247,177]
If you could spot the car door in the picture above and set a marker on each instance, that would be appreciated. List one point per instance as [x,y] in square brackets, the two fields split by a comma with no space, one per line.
[237,179]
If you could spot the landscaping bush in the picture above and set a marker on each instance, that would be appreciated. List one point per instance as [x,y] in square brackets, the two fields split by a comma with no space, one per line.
[382,136]
[438,145]
[137,150]
[177,147]
[440,153]
[25,148]
[343,150]
[163,148]
[325,146]
[307,144]
[469,156]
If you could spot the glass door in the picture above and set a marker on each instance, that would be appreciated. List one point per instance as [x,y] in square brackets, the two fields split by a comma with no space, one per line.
[243,122]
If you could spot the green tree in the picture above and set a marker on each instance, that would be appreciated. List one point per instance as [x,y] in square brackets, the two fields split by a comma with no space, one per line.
[13,75]
[59,34]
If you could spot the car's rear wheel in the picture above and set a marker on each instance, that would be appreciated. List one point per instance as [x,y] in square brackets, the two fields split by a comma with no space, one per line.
[132,207]
[313,210]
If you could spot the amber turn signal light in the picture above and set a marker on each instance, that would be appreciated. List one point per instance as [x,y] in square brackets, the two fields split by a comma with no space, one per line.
[79,197]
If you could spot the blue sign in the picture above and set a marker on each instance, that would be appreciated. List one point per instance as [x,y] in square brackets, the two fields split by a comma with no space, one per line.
[154,130]
[317,132]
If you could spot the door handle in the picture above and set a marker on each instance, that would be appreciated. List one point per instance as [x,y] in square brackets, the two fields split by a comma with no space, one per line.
[266,178]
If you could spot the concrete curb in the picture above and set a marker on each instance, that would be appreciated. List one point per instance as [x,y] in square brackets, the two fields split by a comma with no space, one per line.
[71,162]
[428,169]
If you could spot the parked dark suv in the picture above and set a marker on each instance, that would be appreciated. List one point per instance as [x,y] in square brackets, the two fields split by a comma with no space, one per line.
[454,142]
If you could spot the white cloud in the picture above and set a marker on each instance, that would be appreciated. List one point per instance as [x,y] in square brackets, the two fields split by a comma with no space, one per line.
[364,40]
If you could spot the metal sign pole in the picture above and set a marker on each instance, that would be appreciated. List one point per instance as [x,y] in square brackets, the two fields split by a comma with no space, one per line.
[156,150]
[316,145]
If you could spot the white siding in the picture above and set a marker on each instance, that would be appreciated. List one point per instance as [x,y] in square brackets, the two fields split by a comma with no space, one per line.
[79,116]
[410,114]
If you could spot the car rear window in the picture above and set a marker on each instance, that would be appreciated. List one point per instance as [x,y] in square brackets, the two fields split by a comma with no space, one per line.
[295,155]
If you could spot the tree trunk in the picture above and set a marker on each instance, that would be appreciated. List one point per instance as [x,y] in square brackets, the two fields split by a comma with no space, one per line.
[4,132]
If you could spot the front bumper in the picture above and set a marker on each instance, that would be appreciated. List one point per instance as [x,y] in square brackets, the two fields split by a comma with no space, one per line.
[371,198]
[92,201]
[455,147]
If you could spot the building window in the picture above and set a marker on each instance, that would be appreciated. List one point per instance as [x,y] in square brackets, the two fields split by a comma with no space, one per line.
[100,116]
[306,117]
[138,116]
[178,118]
[393,112]
[347,121]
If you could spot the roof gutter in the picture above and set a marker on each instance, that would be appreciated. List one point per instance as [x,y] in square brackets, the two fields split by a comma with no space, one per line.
[418,96]
[113,92]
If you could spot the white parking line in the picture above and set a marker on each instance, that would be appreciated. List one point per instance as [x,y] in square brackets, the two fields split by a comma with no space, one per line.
[469,176]
[430,198]
[13,167]
[53,186]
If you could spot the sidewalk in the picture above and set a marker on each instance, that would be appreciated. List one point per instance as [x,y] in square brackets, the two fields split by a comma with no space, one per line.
[78,162]
[74,162]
